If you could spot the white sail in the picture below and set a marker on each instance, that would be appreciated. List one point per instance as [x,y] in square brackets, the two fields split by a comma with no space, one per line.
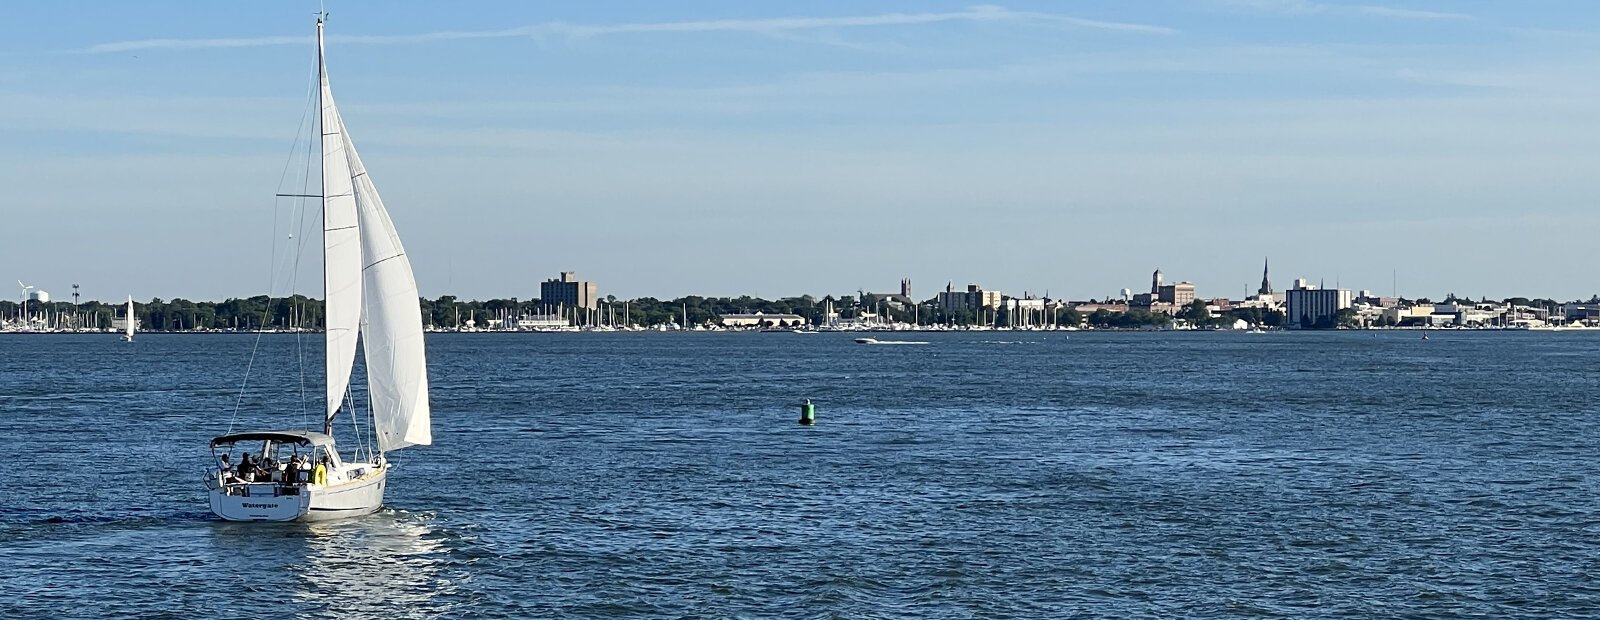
[341,244]
[397,373]
[128,324]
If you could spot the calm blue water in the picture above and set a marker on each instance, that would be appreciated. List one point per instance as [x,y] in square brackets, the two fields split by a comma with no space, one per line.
[1132,475]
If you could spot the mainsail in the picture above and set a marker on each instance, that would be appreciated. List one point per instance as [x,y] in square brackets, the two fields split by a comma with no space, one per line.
[341,246]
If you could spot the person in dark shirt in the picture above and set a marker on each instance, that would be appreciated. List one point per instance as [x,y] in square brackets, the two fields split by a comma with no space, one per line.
[248,470]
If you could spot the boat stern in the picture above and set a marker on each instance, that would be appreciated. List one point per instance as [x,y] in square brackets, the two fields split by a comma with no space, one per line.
[260,502]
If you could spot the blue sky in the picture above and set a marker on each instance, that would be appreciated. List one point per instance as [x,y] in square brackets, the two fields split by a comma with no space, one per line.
[822,147]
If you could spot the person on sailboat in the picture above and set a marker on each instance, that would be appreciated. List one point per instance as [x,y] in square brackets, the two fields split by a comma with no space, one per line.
[247,468]
[302,469]
[225,471]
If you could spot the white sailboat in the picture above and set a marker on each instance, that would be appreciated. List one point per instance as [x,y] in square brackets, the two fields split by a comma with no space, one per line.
[128,321]
[371,295]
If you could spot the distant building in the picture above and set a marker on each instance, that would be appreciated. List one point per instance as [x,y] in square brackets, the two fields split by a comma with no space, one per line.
[759,319]
[1088,307]
[569,292]
[541,321]
[1027,311]
[898,301]
[1265,297]
[1165,298]
[1579,312]
[1180,294]
[1366,297]
[1313,306]
[974,298]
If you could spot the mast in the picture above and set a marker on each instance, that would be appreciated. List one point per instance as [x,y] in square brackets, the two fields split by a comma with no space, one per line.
[342,244]
[322,138]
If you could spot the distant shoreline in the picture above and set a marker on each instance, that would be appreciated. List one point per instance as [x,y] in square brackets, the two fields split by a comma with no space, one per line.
[820,331]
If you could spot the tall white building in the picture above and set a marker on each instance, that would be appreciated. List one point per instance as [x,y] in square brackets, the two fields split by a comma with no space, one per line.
[1314,306]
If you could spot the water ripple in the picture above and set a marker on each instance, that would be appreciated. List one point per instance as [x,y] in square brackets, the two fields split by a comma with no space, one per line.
[662,475]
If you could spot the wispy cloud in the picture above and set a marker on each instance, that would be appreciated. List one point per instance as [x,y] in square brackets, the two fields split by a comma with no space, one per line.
[1305,7]
[1386,11]
[770,26]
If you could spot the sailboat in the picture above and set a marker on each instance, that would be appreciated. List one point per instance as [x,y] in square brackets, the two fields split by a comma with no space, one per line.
[371,295]
[128,320]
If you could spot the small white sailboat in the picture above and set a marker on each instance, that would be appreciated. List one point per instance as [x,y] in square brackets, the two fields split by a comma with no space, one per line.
[299,475]
[128,322]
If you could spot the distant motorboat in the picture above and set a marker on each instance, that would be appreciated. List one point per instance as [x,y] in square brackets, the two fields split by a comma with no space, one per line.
[876,341]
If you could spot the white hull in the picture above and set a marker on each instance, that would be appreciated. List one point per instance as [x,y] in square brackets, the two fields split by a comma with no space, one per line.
[267,501]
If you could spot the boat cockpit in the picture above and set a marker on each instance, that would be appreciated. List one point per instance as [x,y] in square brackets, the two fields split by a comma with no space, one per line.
[272,463]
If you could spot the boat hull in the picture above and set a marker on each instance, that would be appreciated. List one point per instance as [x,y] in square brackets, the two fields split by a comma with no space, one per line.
[359,497]
[274,502]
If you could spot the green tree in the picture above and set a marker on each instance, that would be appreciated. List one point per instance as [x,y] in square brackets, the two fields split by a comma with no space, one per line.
[1196,313]
[1346,317]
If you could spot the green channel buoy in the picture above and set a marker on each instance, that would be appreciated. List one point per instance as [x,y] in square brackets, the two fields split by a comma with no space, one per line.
[808,413]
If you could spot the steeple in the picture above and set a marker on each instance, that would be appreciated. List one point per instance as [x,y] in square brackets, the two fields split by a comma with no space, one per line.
[1266,281]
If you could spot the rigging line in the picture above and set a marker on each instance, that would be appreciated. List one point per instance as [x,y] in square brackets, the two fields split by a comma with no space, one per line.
[372,434]
[299,251]
[294,280]
[355,422]
[301,129]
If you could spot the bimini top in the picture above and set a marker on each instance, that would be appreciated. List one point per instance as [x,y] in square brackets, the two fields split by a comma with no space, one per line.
[304,438]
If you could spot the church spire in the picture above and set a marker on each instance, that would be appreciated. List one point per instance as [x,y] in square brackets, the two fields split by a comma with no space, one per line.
[1266,281]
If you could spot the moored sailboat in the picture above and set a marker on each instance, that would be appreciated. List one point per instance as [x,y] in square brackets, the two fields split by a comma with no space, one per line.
[371,296]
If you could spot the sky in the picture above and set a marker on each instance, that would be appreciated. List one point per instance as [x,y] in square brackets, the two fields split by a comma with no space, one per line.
[777,149]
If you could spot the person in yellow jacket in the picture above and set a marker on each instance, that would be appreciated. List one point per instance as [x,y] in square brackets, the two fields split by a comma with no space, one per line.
[319,474]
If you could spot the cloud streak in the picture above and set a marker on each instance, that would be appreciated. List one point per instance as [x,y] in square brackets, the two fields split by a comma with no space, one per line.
[1308,7]
[770,26]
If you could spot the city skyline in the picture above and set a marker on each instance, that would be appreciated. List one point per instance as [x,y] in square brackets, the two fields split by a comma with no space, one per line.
[724,149]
